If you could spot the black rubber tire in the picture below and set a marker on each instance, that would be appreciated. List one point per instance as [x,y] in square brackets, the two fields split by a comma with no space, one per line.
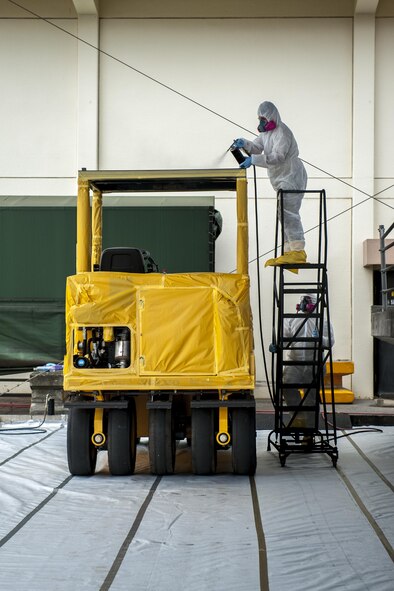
[81,453]
[204,451]
[244,440]
[161,441]
[122,440]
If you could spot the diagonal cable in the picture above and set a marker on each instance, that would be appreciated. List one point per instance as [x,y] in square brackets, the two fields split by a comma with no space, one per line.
[188,98]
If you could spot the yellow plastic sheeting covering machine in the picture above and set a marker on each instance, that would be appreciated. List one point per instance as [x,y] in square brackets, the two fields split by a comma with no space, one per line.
[188,330]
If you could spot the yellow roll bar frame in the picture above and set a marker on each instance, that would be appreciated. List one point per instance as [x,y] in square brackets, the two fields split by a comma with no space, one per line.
[89,224]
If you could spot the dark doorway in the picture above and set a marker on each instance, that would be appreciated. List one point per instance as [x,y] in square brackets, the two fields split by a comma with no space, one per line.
[383,350]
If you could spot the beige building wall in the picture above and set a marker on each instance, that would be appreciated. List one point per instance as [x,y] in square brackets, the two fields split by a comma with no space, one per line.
[326,64]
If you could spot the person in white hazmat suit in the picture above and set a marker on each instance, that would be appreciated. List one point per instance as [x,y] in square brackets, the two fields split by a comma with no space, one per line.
[276,150]
[294,374]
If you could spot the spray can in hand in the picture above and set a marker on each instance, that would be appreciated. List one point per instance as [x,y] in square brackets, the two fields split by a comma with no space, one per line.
[237,153]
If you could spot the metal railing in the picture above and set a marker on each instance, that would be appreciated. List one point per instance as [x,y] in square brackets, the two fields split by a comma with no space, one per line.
[383,268]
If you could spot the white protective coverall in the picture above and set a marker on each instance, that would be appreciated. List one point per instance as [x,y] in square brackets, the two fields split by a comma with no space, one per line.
[295,374]
[277,151]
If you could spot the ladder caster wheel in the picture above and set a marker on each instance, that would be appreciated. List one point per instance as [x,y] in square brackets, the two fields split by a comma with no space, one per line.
[282,459]
[334,461]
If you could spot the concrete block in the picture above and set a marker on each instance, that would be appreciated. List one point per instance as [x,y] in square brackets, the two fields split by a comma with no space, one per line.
[382,323]
[43,383]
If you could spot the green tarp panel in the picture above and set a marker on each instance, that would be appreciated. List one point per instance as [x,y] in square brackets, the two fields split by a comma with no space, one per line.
[38,252]
[31,333]
[178,238]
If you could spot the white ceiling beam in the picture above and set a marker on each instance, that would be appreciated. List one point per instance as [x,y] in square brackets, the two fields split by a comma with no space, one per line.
[86,6]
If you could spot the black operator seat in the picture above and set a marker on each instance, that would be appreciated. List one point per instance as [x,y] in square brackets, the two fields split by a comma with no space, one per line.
[122,260]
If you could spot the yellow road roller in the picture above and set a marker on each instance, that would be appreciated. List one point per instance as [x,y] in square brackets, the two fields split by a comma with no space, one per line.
[149,354]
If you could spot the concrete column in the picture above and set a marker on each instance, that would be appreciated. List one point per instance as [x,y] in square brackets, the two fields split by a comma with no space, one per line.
[363,178]
[88,81]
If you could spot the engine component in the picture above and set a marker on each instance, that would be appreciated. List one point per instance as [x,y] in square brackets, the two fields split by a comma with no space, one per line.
[102,347]
[81,362]
[122,348]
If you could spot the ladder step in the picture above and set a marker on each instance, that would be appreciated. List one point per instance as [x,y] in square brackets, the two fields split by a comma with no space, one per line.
[315,349]
[299,284]
[299,340]
[299,385]
[303,266]
[297,315]
[304,363]
[300,349]
[302,290]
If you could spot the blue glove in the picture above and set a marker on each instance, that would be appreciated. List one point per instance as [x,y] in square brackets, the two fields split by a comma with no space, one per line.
[246,163]
[239,143]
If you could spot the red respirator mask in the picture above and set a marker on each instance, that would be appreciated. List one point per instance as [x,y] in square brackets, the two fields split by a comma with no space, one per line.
[305,305]
[265,125]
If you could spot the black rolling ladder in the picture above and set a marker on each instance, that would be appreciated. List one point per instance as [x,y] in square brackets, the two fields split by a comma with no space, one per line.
[301,422]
